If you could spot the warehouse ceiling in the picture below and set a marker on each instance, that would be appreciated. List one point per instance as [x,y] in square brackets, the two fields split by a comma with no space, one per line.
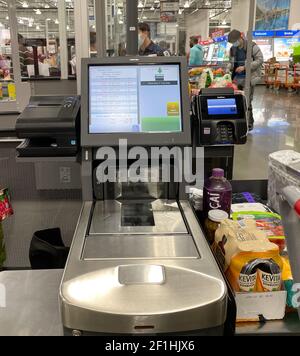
[35,16]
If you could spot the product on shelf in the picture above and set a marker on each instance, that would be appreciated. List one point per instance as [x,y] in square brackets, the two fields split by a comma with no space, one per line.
[5,211]
[12,91]
[5,206]
[251,262]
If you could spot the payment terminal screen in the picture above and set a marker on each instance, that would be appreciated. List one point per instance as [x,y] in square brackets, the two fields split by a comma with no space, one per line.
[222,107]
[135,99]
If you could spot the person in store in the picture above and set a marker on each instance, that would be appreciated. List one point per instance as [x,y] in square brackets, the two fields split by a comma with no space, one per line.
[146,46]
[196,54]
[238,57]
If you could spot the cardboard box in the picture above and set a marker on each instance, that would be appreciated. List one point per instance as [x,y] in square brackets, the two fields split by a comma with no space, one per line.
[254,306]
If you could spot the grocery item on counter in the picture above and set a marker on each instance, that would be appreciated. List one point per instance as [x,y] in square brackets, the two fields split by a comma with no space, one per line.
[246,197]
[1,92]
[212,223]
[5,206]
[245,207]
[196,198]
[217,193]
[288,282]
[251,262]
[269,275]
[267,221]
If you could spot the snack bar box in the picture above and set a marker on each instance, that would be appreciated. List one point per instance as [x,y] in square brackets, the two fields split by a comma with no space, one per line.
[284,170]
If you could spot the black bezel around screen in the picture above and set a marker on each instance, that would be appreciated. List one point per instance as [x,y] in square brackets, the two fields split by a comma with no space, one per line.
[239,103]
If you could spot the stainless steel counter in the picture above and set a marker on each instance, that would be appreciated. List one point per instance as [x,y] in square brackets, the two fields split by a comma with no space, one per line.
[33,310]
[290,326]
[32,307]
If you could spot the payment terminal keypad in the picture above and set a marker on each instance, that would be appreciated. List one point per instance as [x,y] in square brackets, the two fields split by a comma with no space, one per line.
[225,134]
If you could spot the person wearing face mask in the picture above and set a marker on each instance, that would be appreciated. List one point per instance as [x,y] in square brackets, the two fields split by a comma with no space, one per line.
[238,58]
[146,46]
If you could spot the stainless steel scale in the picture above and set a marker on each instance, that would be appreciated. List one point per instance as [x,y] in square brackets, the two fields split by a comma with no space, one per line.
[139,263]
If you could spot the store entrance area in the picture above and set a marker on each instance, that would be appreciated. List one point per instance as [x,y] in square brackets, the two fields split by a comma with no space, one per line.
[277,127]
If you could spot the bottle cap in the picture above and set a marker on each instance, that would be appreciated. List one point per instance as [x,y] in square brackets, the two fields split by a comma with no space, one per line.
[217,216]
[218,173]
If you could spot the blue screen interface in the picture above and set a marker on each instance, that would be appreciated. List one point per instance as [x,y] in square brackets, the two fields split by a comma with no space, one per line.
[222,107]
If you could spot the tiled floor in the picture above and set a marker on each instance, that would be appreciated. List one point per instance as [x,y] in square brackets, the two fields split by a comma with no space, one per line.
[277,116]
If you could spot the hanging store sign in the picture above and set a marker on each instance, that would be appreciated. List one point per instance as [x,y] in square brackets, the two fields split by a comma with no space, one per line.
[263,34]
[169,10]
[218,33]
[287,33]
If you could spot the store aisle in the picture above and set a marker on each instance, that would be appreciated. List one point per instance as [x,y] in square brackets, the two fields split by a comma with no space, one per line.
[277,117]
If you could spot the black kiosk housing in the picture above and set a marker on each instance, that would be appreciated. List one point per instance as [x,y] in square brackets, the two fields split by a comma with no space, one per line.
[50,126]
[220,117]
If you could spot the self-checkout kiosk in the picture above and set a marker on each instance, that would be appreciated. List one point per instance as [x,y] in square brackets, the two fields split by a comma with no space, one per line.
[139,262]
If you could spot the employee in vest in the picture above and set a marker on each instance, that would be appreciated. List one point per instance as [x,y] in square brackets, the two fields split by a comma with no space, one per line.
[238,55]
[196,54]
[146,46]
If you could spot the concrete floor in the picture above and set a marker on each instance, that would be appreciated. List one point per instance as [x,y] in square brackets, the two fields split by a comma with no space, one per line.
[277,117]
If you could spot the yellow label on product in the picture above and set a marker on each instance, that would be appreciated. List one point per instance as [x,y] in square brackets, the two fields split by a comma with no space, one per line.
[173,109]
[12,91]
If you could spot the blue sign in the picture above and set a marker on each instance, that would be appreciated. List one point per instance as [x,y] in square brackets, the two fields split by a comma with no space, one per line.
[263,34]
[221,39]
[287,33]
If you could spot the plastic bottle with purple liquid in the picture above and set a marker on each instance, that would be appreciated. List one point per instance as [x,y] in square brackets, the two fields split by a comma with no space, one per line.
[217,193]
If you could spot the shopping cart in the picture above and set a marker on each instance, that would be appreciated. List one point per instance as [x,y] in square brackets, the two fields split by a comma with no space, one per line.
[272,76]
[297,76]
[290,211]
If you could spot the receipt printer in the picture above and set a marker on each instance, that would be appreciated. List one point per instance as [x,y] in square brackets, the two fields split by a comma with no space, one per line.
[220,117]
[50,127]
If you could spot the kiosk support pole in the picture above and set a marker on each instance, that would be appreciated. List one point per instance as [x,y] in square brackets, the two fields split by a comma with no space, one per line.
[249,50]
[100,11]
[82,36]
[132,27]
[63,38]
